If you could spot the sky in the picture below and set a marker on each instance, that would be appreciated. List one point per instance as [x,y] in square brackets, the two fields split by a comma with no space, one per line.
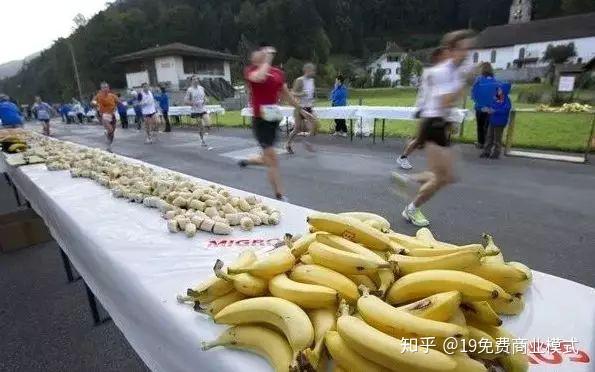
[32,25]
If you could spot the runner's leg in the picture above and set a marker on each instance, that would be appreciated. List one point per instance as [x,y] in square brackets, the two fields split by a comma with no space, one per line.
[201,130]
[297,126]
[269,157]
[441,165]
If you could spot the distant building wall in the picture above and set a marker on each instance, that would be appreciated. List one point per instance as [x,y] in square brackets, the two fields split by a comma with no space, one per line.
[136,79]
[526,74]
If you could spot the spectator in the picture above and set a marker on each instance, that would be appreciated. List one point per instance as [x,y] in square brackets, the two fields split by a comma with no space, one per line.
[482,93]
[339,98]
[499,113]
[10,116]
[122,111]
[43,113]
[163,100]
[78,109]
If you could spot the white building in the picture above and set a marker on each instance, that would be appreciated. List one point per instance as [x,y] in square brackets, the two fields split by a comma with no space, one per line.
[389,61]
[173,64]
[524,44]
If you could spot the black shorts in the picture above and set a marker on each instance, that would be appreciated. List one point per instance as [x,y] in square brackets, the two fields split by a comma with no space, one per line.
[265,132]
[198,114]
[435,130]
[307,109]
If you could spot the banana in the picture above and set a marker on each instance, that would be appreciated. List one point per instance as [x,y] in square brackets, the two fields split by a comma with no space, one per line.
[426,283]
[439,307]
[345,245]
[286,316]
[384,278]
[490,246]
[214,307]
[458,318]
[425,235]
[344,262]
[346,358]
[386,350]
[522,286]
[454,261]
[277,262]
[441,251]
[363,280]
[407,241]
[260,340]
[323,320]
[245,283]
[480,344]
[300,246]
[374,220]
[351,229]
[506,276]
[481,312]
[497,258]
[402,324]
[307,259]
[514,307]
[466,364]
[320,275]
[307,296]
[513,361]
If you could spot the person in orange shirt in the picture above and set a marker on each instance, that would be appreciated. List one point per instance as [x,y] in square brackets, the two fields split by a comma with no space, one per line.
[106,103]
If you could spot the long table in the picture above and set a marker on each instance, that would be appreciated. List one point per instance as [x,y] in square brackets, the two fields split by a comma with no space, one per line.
[135,268]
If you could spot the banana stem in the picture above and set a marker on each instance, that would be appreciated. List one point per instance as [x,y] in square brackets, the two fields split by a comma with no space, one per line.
[343,308]
[218,269]
[287,239]
[209,345]
[365,291]
[184,299]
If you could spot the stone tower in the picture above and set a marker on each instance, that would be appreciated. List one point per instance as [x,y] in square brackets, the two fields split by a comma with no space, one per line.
[520,11]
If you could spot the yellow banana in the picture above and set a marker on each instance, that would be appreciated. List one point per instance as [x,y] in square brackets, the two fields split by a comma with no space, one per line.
[454,261]
[481,312]
[425,235]
[343,244]
[307,296]
[490,246]
[514,307]
[350,229]
[441,251]
[245,283]
[323,320]
[384,278]
[480,344]
[374,220]
[363,280]
[260,340]
[458,318]
[346,358]
[407,241]
[300,246]
[522,286]
[466,364]
[285,315]
[388,351]
[214,307]
[497,258]
[402,324]
[307,259]
[439,307]
[426,283]
[513,361]
[344,262]
[277,262]
[320,275]
[506,276]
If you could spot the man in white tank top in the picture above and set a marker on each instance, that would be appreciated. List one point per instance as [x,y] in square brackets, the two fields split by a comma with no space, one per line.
[304,90]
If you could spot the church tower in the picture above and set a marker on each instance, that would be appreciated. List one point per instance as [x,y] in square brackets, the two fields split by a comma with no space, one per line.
[520,11]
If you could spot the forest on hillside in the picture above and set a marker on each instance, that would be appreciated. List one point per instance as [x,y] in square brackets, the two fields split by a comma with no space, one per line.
[328,32]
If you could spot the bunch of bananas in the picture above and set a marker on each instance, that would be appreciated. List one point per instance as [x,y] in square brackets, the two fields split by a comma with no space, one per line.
[354,291]
[567,107]
[13,143]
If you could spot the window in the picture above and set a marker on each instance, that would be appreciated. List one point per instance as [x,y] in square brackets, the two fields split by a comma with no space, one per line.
[392,58]
[579,60]
[493,56]
[387,71]
[475,57]
[202,66]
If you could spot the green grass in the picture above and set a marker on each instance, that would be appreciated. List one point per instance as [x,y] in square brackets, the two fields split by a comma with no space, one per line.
[549,131]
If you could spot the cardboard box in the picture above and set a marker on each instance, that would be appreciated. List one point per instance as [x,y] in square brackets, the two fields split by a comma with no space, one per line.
[22,229]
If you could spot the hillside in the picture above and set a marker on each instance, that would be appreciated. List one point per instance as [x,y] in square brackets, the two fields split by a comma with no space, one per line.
[11,68]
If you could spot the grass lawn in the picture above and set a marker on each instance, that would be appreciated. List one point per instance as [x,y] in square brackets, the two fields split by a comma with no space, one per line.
[550,131]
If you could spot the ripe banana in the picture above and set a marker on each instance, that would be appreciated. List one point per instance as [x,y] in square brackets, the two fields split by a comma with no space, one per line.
[245,283]
[323,320]
[384,278]
[320,275]
[374,220]
[399,324]
[414,243]
[439,307]
[386,350]
[346,358]
[351,229]
[506,276]
[214,307]
[441,251]
[426,283]
[307,259]
[407,241]
[513,361]
[363,280]
[514,307]
[344,262]
[458,318]
[425,235]
[454,261]
[277,262]
[466,364]
[481,312]
[345,245]
[260,340]
[482,345]
[300,246]
[497,258]
[285,315]
[522,286]
[307,296]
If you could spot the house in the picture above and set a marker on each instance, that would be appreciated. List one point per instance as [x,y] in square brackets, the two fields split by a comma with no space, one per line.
[389,61]
[173,64]
[523,44]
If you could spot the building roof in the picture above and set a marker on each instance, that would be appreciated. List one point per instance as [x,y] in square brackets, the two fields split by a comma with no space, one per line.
[393,47]
[177,49]
[582,25]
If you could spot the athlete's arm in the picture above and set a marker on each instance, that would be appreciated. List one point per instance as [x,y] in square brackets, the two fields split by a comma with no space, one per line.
[286,94]
[188,98]
[259,75]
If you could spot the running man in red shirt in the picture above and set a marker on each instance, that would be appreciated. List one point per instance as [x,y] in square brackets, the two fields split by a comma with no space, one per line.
[267,85]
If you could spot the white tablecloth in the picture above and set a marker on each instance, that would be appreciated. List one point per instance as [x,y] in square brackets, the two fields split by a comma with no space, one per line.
[135,268]
[185,110]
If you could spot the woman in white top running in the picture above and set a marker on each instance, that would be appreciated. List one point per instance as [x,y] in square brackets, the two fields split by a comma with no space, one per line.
[147,104]
[197,98]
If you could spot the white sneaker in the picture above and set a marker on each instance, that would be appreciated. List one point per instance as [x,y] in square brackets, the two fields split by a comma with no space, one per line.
[148,140]
[404,163]
[343,134]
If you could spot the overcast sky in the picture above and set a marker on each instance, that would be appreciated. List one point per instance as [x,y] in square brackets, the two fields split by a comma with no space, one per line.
[29,26]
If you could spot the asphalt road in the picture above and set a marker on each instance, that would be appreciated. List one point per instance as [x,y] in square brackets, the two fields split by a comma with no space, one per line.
[540,213]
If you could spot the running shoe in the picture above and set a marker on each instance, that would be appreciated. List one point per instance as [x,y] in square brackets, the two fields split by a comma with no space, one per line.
[415,217]
[148,141]
[243,163]
[404,163]
[343,134]
[289,149]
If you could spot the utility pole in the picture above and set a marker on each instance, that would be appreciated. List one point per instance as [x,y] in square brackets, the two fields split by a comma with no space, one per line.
[76,70]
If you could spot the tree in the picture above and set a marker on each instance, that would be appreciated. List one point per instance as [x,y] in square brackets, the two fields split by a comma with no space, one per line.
[79,21]
[577,6]
[378,78]
[559,53]
[409,66]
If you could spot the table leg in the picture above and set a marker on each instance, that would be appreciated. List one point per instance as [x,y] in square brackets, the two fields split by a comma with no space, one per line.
[351,129]
[374,132]
[14,189]
[383,125]
[97,320]
[67,267]
[361,128]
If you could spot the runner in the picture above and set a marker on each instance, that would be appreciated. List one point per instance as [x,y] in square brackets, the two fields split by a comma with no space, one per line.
[267,85]
[149,111]
[43,112]
[197,98]
[163,100]
[446,84]
[403,160]
[106,103]
[304,88]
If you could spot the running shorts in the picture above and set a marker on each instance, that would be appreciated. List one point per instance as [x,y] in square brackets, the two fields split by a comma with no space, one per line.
[436,130]
[265,132]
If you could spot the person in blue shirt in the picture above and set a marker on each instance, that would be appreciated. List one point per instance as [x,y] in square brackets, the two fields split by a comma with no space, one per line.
[122,111]
[482,93]
[499,114]
[43,113]
[163,100]
[339,96]
[10,115]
